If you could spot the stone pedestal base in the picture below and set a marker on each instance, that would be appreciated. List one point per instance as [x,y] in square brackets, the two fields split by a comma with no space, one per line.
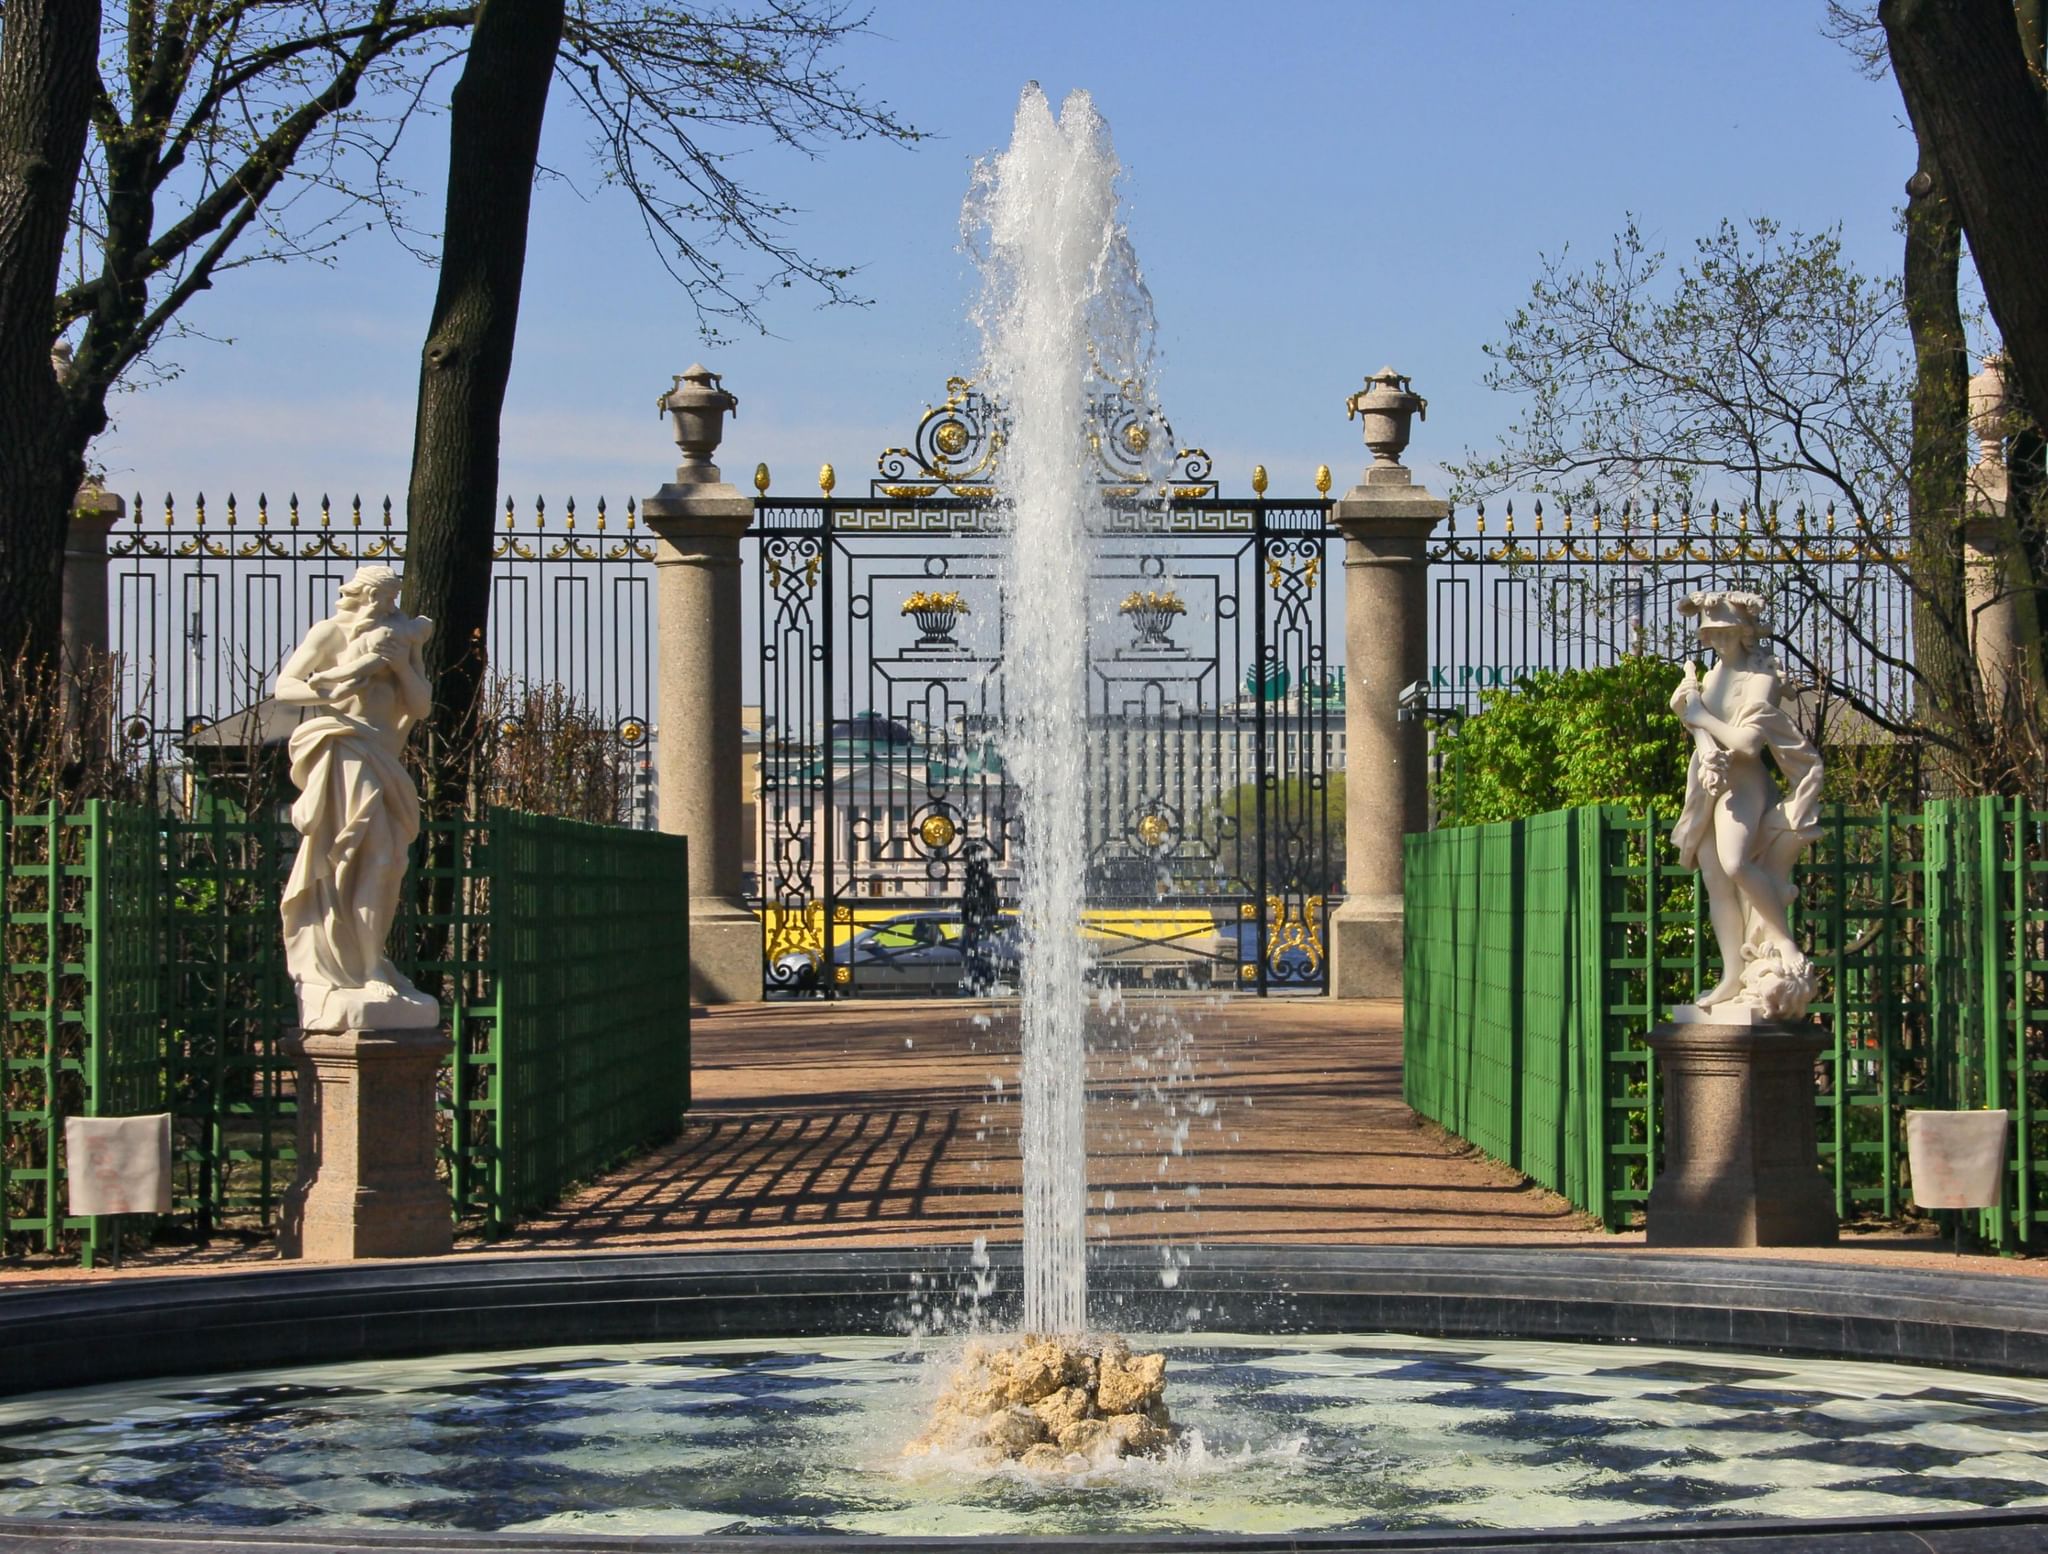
[725,952]
[366,1185]
[1365,949]
[1740,1166]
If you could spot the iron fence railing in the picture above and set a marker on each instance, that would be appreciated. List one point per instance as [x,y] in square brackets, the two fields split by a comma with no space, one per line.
[204,604]
[1541,951]
[145,972]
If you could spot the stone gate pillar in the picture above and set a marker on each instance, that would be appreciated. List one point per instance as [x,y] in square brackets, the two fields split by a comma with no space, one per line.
[87,638]
[94,513]
[1386,520]
[698,520]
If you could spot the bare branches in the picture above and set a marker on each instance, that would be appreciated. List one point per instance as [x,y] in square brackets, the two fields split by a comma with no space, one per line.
[1765,369]
[662,85]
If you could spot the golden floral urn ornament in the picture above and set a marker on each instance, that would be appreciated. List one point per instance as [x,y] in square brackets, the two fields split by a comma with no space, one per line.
[937,615]
[1152,613]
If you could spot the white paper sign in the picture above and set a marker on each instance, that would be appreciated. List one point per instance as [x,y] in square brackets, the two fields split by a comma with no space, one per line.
[118,1165]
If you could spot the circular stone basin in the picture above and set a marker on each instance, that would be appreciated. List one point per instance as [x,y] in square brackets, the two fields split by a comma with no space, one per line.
[1333,1398]
[1322,1433]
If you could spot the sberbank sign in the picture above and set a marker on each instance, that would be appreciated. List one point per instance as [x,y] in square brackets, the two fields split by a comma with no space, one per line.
[1276,681]
[1468,677]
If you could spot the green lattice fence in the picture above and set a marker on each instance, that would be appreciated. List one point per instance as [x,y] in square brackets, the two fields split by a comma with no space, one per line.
[81,925]
[1548,947]
[588,1010]
[145,972]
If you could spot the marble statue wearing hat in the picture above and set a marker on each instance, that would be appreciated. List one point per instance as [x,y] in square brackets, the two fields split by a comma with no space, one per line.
[1739,827]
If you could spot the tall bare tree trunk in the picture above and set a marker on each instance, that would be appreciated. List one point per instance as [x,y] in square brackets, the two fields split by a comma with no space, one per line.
[48,57]
[1947,682]
[1976,104]
[493,148]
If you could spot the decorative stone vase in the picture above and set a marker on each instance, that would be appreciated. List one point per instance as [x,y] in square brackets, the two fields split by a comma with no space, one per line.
[1385,406]
[699,403]
[1957,1158]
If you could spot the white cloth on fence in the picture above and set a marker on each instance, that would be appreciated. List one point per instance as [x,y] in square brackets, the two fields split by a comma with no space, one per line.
[118,1165]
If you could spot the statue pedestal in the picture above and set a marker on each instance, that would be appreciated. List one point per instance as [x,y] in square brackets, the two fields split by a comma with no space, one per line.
[1740,1165]
[367,1141]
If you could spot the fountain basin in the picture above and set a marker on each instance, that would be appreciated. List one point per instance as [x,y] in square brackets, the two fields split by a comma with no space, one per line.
[480,1308]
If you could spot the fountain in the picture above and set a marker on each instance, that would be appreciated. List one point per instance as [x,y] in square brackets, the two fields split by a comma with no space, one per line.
[1333,1397]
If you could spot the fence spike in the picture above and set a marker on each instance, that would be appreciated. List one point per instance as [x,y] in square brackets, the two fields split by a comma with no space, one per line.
[761,478]
[540,512]
[632,512]
[1258,480]
[199,510]
[569,515]
[355,509]
[600,515]
[170,510]
[510,517]
[1322,480]
[262,510]
[1479,519]
[387,512]
[231,509]
[326,512]
[295,509]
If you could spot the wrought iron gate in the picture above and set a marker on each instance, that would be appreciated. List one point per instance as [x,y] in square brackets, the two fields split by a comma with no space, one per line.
[1216,718]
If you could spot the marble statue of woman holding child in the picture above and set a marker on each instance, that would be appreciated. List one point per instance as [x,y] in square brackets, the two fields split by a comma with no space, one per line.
[1739,828]
[362,679]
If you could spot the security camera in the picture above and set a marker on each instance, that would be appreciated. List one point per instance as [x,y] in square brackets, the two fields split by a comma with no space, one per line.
[1412,703]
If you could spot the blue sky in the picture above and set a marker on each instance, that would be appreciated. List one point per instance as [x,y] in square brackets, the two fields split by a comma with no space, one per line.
[1314,189]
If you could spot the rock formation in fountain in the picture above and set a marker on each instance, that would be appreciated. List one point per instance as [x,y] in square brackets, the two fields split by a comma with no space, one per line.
[1051,1405]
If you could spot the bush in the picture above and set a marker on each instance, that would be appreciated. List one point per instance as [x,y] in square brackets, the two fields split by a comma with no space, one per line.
[1565,737]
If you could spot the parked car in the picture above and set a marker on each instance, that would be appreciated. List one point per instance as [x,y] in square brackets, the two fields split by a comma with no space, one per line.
[914,952]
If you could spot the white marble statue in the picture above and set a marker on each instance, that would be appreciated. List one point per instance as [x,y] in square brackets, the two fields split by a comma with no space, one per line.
[361,676]
[1739,828]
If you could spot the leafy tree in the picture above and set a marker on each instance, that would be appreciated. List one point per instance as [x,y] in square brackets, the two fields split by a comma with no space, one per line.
[1563,738]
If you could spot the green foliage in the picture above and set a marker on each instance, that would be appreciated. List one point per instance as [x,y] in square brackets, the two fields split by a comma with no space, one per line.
[1563,738]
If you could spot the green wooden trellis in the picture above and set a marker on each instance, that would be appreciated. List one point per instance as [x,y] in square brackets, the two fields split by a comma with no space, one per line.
[144,972]
[1931,930]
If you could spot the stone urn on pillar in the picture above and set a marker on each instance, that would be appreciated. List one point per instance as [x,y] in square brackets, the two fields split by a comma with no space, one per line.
[699,404]
[1741,1167]
[1386,520]
[699,520]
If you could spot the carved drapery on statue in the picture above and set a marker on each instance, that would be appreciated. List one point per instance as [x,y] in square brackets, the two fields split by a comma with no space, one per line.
[1739,827]
[360,676]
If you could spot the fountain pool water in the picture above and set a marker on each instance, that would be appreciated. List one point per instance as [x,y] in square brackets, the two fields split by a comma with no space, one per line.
[1349,1396]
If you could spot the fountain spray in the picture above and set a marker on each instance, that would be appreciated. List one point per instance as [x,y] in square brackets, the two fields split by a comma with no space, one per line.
[1062,308]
